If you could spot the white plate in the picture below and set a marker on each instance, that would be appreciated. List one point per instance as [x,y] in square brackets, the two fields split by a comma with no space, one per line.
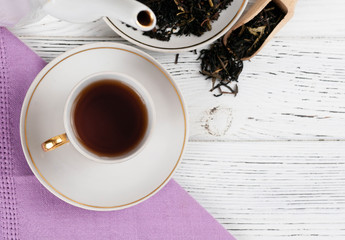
[226,20]
[83,182]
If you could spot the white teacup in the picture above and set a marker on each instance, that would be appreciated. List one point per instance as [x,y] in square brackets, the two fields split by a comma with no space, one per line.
[71,136]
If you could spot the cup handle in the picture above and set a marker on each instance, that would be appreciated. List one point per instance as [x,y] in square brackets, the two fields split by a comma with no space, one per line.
[55,142]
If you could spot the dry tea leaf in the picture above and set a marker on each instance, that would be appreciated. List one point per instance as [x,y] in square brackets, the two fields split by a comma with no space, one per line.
[222,67]
[184,17]
[257,32]
[223,64]
[246,40]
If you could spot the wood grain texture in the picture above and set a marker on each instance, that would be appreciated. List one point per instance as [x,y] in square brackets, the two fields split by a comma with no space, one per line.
[293,90]
[270,163]
[313,18]
[270,190]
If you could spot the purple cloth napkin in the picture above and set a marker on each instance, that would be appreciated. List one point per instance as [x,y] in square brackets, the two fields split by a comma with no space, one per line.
[29,211]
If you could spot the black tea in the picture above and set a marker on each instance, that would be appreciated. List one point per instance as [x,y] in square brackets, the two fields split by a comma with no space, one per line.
[109,118]
[222,64]
[184,17]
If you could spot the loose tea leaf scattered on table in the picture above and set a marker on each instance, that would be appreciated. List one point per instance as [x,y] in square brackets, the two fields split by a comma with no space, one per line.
[222,64]
[176,58]
[184,17]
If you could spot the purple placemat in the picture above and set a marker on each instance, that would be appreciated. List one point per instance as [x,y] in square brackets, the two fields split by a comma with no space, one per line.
[29,211]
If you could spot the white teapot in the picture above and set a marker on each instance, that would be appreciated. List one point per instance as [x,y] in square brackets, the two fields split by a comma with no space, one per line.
[130,12]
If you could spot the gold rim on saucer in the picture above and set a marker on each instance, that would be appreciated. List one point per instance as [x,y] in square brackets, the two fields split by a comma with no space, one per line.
[116,206]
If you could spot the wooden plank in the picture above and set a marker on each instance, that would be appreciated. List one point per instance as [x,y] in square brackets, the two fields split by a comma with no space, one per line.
[315,18]
[249,175]
[269,190]
[293,90]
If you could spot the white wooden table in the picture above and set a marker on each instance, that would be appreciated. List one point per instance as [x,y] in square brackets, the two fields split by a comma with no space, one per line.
[270,163]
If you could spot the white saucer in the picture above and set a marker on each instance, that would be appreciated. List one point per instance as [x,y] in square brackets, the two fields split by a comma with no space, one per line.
[83,182]
[226,20]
